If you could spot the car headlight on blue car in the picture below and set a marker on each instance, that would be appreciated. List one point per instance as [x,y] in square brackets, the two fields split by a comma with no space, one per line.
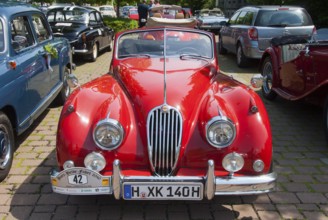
[220,132]
[108,134]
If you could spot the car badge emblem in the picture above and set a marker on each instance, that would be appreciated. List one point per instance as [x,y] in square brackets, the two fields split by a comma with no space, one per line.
[165,108]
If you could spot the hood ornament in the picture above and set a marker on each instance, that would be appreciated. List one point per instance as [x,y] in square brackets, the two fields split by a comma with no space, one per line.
[165,108]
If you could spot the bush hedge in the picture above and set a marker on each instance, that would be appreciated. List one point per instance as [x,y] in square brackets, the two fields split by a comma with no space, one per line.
[120,24]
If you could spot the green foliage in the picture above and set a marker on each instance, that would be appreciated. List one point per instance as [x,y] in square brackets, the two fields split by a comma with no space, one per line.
[51,50]
[120,24]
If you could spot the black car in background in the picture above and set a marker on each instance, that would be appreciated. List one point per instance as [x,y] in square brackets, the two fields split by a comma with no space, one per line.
[83,27]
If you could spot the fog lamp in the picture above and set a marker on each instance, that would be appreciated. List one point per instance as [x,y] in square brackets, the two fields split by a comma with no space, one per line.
[258,165]
[233,162]
[68,164]
[95,161]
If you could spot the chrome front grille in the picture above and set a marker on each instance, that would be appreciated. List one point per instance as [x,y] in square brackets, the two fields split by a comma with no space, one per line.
[164,139]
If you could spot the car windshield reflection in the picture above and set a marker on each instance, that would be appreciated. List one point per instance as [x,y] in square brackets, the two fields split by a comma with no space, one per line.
[150,43]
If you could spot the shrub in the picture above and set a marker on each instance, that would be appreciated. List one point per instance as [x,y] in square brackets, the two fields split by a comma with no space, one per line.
[120,24]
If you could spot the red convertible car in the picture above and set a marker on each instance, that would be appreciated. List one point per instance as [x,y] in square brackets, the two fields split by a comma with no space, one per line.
[163,124]
[296,69]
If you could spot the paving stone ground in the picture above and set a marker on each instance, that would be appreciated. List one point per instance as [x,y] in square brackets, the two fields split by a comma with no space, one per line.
[300,159]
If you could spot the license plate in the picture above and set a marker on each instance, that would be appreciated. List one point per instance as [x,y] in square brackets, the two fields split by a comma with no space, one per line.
[163,191]
[80,181]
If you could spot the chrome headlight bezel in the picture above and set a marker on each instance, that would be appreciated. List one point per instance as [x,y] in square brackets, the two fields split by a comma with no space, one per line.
[214,123]
[112,125]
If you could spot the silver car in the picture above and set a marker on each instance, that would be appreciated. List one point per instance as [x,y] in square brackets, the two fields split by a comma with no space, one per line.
[250,29]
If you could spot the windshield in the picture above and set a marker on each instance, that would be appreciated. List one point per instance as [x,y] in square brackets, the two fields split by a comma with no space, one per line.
[183,44]
[283,18]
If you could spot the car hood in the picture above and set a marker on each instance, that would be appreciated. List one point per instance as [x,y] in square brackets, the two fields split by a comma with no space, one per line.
[186,82]
[69,30]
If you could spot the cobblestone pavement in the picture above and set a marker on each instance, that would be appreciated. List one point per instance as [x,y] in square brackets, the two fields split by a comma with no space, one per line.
[300,159]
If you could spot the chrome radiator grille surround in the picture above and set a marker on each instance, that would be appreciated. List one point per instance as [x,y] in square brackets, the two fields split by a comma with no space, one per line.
[164,130]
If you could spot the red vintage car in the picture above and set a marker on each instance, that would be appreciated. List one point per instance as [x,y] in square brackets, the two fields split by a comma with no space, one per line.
[133,14]
[296,69]
[164,124]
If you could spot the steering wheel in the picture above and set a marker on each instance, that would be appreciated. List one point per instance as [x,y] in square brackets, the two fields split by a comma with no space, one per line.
[188,50]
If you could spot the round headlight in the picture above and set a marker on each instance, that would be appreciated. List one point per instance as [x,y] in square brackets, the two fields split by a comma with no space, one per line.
[108,134]
[220,132]
[233,162]
[95,161]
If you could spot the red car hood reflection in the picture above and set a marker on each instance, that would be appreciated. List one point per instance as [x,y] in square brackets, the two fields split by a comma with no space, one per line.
[186,82]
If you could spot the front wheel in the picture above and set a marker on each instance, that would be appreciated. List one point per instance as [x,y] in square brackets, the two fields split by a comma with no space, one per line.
[325,118]
[267,73]
[241,58]
[7,144]
[111,44]
[94,53]
[222,50]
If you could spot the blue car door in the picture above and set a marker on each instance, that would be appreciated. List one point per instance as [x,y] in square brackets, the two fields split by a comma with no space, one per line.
[31,66]
[47,49]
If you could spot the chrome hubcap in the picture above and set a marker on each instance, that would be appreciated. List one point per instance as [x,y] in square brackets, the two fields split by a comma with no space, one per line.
[239,54]
[4,149]
[267,77]
[95,51]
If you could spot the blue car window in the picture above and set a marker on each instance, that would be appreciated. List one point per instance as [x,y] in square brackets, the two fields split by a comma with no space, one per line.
[40,28]
[21,35]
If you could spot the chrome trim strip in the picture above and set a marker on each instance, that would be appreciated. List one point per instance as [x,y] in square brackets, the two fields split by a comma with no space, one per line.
[164,65]
[210,181]
[80,51]
[245,185]
[117,179]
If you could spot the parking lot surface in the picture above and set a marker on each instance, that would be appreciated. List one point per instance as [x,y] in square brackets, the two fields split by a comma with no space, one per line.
[300,159]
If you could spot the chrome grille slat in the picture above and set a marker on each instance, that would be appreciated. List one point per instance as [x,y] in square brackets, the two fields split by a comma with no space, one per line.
[164,129]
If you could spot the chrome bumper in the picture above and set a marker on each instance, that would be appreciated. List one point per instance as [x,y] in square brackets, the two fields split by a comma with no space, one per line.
[213,185]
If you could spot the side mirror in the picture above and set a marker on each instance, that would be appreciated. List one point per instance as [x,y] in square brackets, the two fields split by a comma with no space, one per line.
[257,81]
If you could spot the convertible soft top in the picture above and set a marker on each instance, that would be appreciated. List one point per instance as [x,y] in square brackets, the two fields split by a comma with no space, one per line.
[162,7]
[188,22]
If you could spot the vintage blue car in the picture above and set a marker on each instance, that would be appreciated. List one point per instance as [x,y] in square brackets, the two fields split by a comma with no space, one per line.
[34,66]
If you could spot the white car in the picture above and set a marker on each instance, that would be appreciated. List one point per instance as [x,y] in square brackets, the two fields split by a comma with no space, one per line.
[107,10]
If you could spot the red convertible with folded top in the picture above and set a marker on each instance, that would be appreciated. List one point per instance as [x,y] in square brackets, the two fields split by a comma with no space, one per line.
[164,124]
[296,69]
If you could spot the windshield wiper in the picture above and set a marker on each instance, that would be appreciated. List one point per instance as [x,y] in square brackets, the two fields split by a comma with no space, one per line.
[135,55]
[193,56]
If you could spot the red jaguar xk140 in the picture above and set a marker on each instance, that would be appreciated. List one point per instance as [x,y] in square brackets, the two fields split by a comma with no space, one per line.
[295,68]
[164,123]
